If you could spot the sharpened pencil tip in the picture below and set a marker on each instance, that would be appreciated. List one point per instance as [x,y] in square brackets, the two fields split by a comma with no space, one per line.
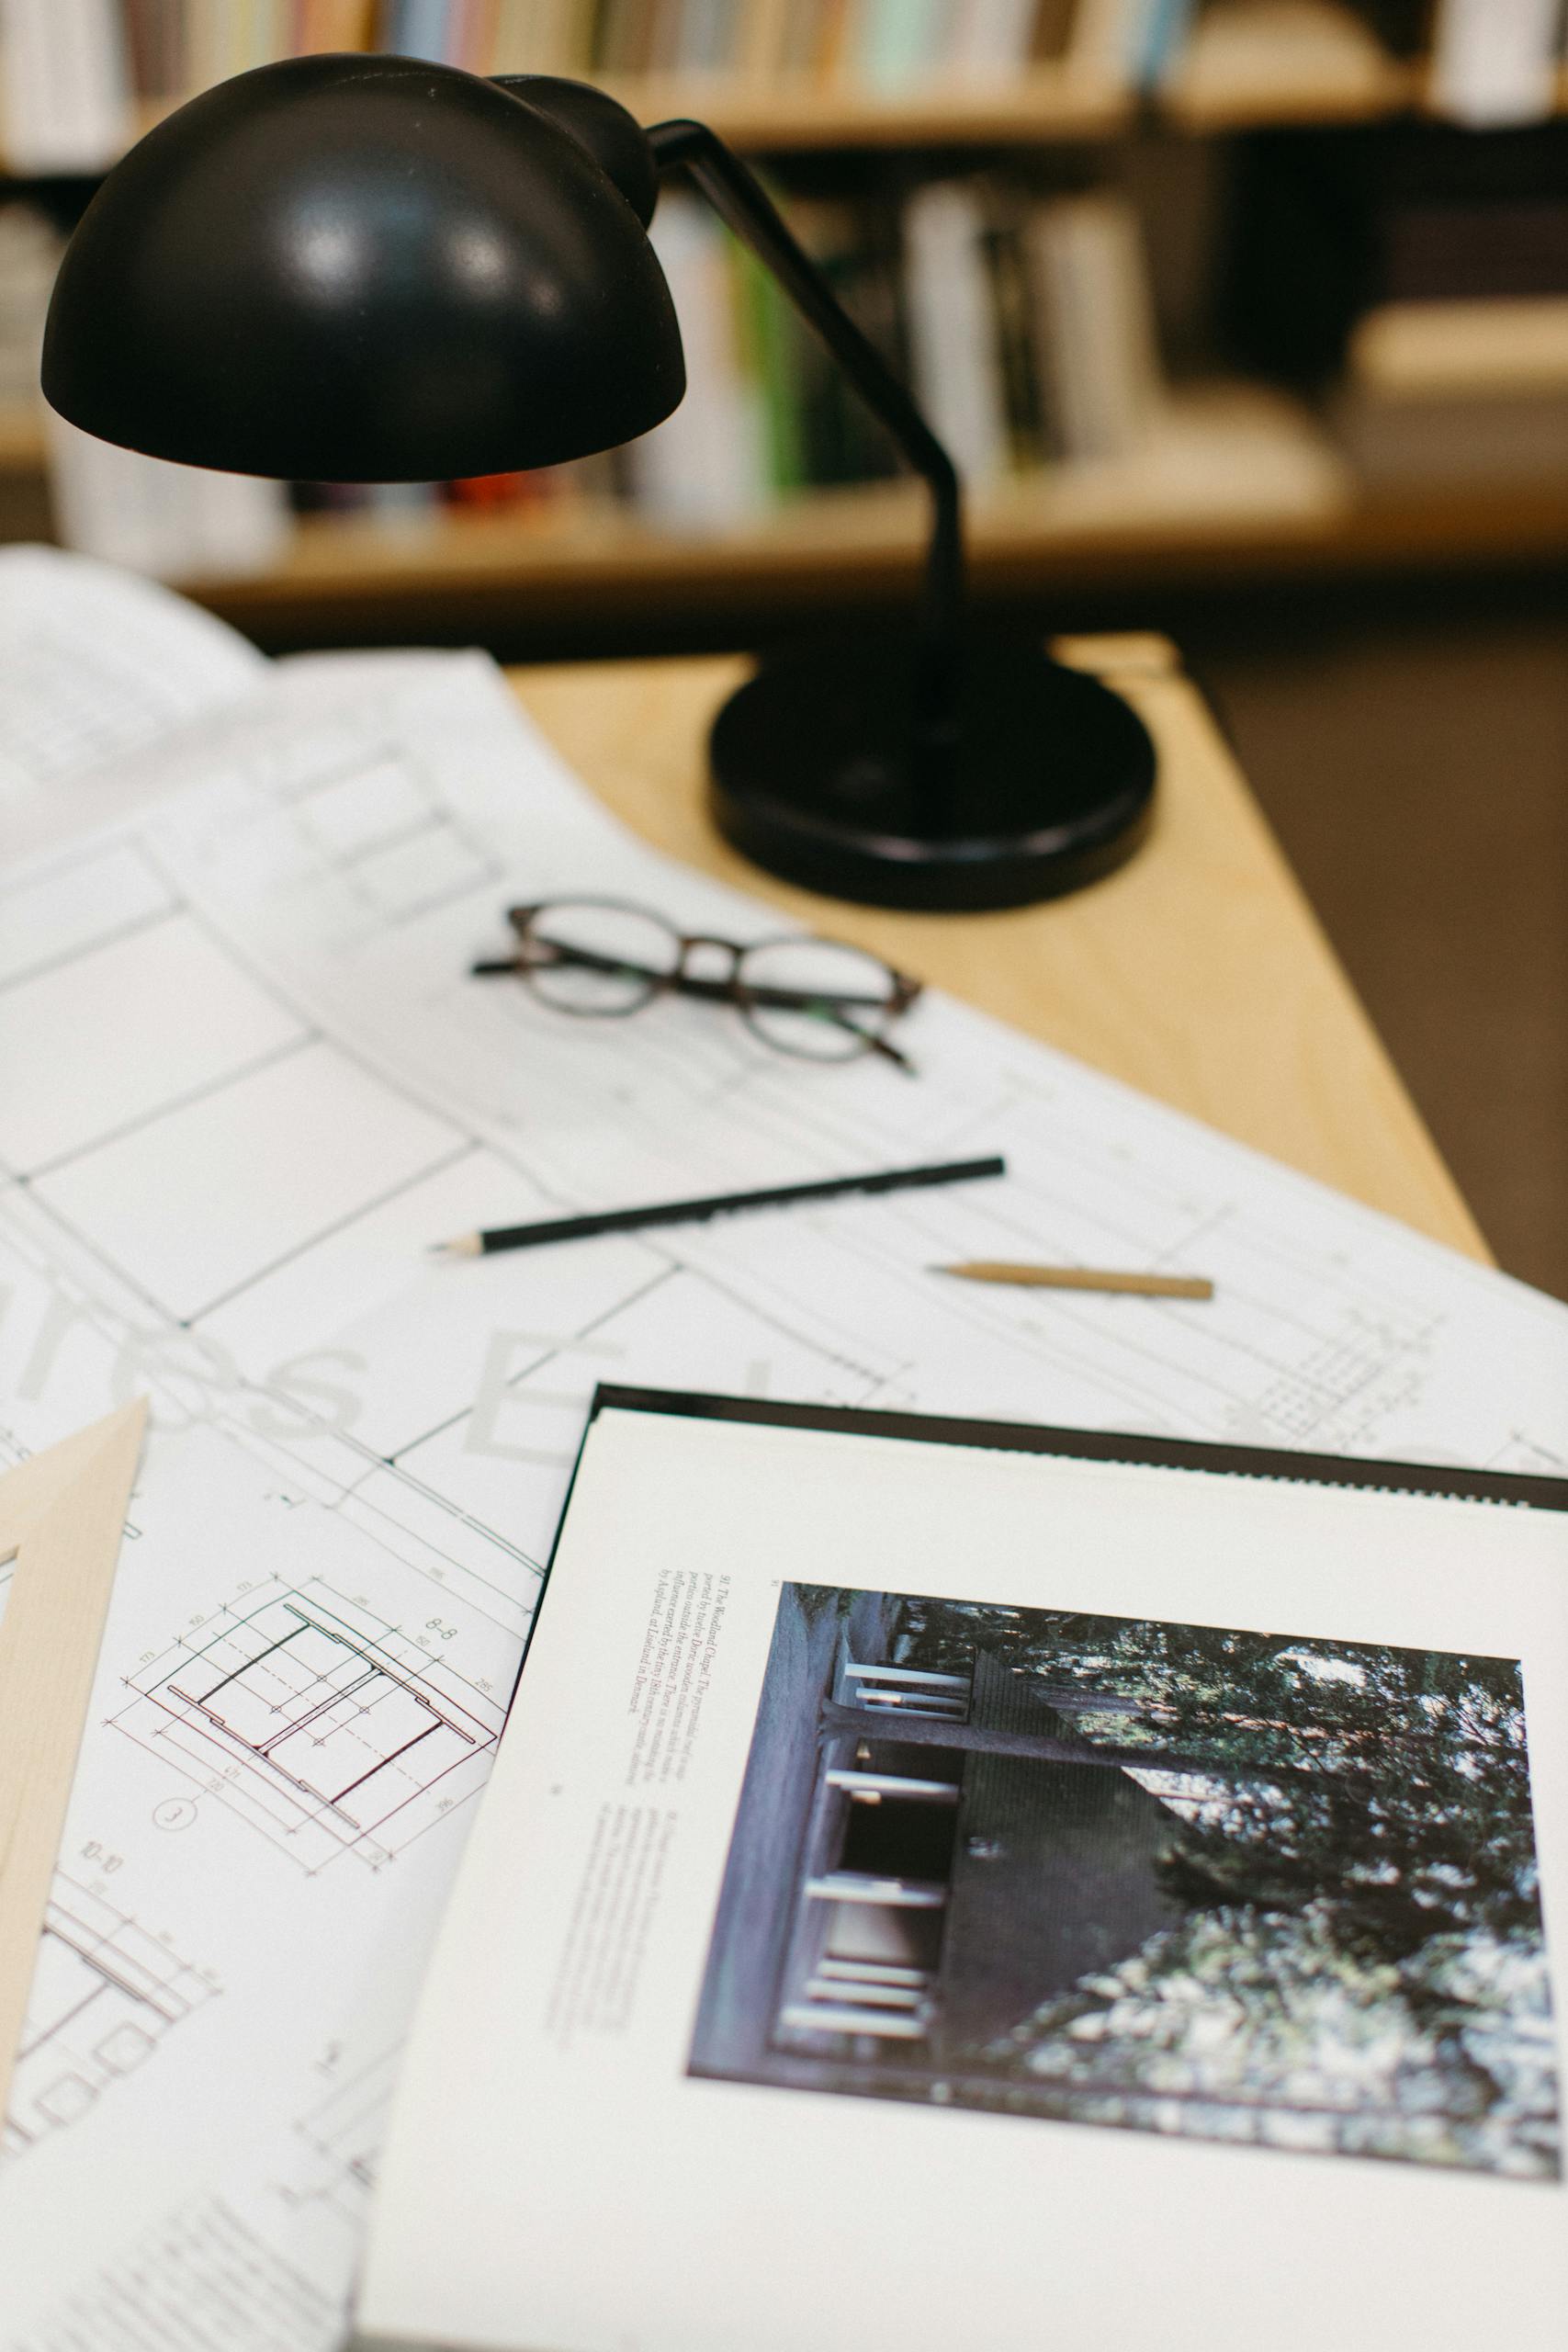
[467,1245]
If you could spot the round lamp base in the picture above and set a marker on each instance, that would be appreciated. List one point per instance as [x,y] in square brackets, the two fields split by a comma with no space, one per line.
[812,779]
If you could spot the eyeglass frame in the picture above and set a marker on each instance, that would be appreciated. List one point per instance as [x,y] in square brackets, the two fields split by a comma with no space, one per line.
[679,981]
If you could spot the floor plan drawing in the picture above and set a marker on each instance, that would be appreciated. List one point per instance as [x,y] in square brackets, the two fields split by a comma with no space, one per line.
[105,1994]
[388,839]
[325,1728]
[342,2137]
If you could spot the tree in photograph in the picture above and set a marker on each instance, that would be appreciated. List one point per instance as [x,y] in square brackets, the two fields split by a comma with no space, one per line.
[1362,1962]
[1389,1785]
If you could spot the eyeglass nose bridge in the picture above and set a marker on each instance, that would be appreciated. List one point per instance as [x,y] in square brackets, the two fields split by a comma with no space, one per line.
[731,950]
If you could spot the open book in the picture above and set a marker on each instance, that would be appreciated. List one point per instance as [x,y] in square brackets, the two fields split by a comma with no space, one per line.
[952,1884]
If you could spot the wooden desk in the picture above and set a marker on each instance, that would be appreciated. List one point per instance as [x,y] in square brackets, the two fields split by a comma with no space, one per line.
[1199,973]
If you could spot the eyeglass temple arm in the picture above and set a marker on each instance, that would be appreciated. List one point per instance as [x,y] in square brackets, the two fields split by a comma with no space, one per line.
[742,204]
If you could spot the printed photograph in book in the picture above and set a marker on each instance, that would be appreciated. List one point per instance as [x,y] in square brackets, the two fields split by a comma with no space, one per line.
[1262,1888]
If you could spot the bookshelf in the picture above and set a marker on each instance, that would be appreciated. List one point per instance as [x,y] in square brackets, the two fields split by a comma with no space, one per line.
[1236,483]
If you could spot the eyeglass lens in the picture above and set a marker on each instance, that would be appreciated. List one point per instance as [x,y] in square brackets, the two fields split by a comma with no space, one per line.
[816,997]
[591,957]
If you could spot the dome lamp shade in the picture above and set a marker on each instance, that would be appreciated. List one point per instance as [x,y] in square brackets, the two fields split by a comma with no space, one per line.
[369,268]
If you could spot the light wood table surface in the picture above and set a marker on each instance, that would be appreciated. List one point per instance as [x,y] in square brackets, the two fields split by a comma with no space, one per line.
[1199,973]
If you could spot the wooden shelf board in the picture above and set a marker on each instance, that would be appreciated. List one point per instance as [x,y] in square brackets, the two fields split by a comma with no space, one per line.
[1375,91]
[342,579]
[791,114]
[1244,102]
[1048,102]
[1193,511]
[1227,462]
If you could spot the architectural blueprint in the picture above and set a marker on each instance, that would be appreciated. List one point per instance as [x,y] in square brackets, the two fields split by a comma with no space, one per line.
[245,1085]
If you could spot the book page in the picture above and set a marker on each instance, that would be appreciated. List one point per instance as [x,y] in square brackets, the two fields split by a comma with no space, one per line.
[907,1867]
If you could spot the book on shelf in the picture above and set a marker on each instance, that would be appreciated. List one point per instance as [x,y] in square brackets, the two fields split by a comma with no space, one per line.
[1494,62]
[1031,325]
[857,246]
[950,1884]
[1031,440]
[1124,45]
[79,71]
[992,38]
[1162,38]
[954,332]
[30,247]
[1250,52]
[1095,324]
[64,84]
[894,42]
[706,465]
[1496,345]
[1457,392]
[170,521]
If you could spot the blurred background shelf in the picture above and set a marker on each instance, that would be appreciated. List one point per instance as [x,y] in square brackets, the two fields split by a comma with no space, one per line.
[1239,487]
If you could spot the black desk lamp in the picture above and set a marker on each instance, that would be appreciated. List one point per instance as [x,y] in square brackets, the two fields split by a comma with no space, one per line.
[372,270]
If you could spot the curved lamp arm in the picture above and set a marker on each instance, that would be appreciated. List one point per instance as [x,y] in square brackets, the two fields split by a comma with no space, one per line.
[834,767]
[741,202]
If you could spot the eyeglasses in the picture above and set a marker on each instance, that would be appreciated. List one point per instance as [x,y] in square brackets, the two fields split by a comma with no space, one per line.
[601,958]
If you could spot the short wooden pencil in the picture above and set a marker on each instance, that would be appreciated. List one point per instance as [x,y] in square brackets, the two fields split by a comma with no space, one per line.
[993,1270]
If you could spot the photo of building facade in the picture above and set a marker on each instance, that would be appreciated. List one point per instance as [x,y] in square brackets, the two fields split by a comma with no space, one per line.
[1259,1888]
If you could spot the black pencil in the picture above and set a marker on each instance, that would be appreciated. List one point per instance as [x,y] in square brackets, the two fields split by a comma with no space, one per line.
[577,1228]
